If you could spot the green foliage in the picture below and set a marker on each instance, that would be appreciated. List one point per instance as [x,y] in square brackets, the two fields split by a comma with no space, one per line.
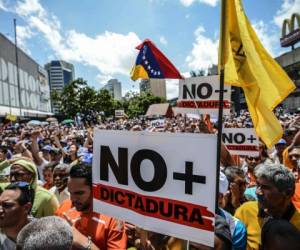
[200,72]
[78,97]
[139,103]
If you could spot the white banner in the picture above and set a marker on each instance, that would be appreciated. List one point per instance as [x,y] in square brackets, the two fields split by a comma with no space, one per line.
[241,141]
[201,95]
[159,181]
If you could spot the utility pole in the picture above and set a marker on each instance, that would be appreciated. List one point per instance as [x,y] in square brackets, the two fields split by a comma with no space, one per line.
[17,66]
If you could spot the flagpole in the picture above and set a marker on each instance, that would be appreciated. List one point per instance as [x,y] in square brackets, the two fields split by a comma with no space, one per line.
[221,99]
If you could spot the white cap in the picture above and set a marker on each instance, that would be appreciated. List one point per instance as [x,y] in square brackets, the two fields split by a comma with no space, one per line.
[223,183]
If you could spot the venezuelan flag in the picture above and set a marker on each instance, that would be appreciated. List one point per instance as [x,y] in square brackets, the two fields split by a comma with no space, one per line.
[152,63]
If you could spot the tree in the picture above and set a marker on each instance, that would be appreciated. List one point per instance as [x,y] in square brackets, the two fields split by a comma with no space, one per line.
[105,102]
[200,72]
[69,97]
[139,103]
[78,97]
[87,99]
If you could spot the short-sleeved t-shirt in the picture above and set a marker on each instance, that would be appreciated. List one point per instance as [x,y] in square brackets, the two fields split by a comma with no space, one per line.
[44,204]
[106,233]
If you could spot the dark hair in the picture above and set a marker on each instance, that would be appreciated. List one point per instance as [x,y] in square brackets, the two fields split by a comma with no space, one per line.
[279,229]
[82,170]
[232,171]
[27,193]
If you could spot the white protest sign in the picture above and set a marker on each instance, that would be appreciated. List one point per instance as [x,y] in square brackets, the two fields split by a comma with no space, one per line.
[159,123]
[119,113]
[159,181]
[201,95]
[241,141]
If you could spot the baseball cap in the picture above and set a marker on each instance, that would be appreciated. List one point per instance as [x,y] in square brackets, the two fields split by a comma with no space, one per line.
[281,141]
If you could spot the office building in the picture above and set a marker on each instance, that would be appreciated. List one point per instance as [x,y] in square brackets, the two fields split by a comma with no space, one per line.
[24,86]
[156,87]
[114,88]
[60,74]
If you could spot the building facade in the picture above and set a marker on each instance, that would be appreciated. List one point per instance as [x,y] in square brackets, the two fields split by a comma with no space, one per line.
[114,88]
[290,62]
[60,74]
[24,88]
[156,87]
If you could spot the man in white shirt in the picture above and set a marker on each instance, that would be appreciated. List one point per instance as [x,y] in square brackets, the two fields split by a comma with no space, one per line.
[60,181]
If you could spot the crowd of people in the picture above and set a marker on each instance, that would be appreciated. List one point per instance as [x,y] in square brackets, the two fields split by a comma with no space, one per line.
[46,189]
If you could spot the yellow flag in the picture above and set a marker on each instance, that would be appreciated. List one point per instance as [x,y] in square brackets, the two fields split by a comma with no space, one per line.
[248,65]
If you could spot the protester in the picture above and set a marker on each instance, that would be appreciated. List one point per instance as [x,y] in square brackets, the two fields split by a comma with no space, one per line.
[277,155]
[294,156]
[295,142]
[44,203]
[222,239]
[279,234]
[60,179]
[48,175]
[4,172]
[15,207]
[275,189]
[89,228]
[50,233]
[52,145]
[237,229]
[237,186]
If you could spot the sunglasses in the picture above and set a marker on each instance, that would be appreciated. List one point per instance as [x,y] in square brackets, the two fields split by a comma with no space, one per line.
[254,158]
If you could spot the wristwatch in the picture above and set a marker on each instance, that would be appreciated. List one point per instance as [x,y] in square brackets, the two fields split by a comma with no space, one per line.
[89,244]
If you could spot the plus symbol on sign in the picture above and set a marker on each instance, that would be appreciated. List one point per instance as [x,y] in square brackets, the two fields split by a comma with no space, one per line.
[251,138]
[189,178]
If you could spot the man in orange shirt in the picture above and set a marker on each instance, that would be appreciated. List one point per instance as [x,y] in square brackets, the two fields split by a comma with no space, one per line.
[91,230]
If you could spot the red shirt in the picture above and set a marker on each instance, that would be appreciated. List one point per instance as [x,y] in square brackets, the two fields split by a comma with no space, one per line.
[107,233]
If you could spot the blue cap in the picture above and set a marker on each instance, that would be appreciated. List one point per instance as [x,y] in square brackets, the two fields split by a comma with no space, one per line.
[281,141]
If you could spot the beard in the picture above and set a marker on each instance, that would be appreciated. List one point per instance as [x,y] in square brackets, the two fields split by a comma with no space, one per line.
[81,207]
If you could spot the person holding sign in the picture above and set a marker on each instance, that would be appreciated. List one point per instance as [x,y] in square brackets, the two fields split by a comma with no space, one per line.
[90,230]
